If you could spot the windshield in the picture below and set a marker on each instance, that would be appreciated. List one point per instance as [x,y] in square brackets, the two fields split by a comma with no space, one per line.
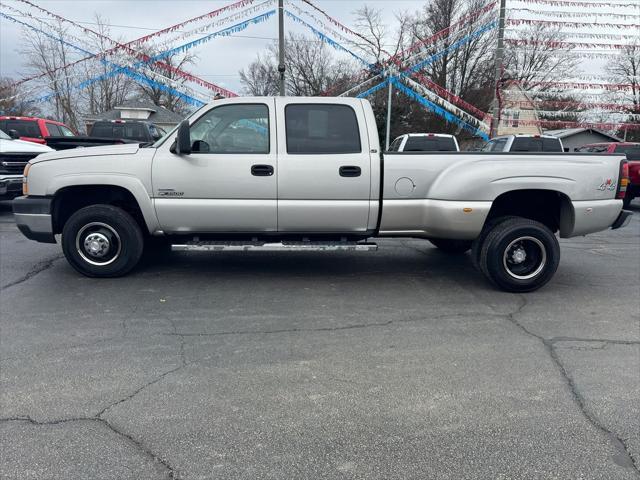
[161,140]
[4,136]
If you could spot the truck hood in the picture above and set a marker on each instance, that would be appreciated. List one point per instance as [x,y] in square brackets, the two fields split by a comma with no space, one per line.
[19,146]
[125,149]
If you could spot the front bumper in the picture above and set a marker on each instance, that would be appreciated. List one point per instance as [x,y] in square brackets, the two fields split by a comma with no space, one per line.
[623,220]
[33,218]
[10,185]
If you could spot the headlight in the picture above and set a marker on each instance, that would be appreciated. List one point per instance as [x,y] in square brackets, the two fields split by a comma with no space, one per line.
[25,182]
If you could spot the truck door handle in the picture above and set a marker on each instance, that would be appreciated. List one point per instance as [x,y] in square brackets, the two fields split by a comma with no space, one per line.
[261,170]
[350,171]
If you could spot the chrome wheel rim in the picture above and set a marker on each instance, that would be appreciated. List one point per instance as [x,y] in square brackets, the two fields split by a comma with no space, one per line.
[98,244]
[524,258]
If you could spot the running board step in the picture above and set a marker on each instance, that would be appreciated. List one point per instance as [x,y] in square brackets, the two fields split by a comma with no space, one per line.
[204,246]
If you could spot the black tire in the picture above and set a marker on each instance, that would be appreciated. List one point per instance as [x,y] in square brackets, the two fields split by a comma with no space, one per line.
[519,255]
[476,246]
[454,247]
[102,241]
[626,202]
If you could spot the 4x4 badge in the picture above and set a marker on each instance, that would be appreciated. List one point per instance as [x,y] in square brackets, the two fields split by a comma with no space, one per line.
[608,184]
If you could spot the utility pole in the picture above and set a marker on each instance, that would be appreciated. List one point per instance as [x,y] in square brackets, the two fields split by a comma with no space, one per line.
[495,121]
[387,140]
[281,67]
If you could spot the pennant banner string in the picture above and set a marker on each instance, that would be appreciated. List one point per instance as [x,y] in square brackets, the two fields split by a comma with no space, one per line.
[138,41]
[570,104]
[127,71]
[373,90]
[578,3]
[452,47]
[123,70]
[438,110]
[529,21]
[443,33]
[574,14]
[564,113]
[567,45]
[326,39]
[443,103]
[162,65]
[557,124]
[343,27]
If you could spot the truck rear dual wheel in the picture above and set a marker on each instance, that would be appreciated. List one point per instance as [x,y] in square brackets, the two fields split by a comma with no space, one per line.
[518,254]
[102,241]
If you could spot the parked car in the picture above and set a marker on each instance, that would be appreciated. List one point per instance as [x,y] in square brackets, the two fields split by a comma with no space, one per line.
[33,129]
[296,173]
[524,143]
[424,142]
[134,130]
[632,151]
[14,155]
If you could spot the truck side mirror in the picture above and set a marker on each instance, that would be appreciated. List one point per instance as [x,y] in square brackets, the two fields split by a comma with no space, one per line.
[13,134]
[182,145]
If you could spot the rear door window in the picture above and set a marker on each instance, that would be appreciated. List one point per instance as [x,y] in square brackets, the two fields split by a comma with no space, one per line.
[321,129]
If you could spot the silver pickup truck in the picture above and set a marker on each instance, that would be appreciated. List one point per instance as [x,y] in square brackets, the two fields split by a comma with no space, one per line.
[308,174]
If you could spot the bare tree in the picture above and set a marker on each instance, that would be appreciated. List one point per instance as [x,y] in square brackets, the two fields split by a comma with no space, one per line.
[12,100]
[160,96]
[625,68]
[261,77]
[47,56]
[311,69]
[109,91]
[539,61]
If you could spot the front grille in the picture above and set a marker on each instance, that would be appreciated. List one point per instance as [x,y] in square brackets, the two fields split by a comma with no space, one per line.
[14,163]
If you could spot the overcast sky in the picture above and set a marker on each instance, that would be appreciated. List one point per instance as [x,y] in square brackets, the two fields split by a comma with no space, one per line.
[219,60]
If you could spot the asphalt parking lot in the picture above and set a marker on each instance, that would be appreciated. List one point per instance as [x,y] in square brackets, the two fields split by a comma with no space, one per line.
[398,364]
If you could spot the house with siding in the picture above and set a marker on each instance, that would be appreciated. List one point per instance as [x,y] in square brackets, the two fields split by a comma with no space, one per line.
[573,138]
[138,109]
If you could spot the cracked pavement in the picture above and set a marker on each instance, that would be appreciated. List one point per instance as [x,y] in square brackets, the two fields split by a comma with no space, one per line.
[398,364]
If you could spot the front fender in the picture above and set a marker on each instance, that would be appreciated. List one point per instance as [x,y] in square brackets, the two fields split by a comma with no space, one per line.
[128,182]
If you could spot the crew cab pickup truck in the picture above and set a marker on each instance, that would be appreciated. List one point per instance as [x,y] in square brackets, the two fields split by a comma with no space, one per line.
[295,173]
[33,129]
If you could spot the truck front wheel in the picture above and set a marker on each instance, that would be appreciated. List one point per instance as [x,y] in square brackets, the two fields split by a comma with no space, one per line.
[102,241]
[519,255]
[451,246]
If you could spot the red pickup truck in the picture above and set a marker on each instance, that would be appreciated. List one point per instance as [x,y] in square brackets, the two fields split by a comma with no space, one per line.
[633,156]
[33,129]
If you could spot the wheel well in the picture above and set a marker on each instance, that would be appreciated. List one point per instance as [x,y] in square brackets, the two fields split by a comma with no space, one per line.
[69,200]
[551,208]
